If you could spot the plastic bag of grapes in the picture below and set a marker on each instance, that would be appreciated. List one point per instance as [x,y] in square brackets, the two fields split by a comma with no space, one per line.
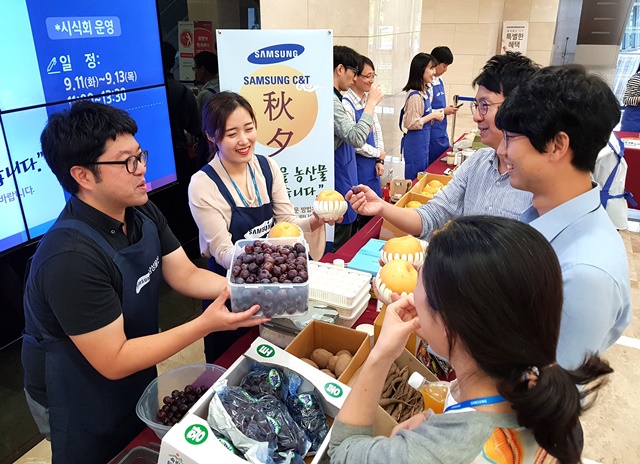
[235,414]
[263,380]
[307,411]
[289,435]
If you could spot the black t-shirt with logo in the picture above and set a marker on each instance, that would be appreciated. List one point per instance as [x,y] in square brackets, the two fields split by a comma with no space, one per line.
[79,288]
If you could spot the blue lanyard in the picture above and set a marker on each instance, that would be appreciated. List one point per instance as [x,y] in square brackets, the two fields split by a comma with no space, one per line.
[255,186]
[476,402]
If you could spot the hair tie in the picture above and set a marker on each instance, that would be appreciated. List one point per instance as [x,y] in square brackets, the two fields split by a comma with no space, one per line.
[532,373]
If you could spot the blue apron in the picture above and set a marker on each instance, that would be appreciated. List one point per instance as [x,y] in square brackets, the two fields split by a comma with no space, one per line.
[631,117]
[415,143]
[246,222]
[346,173]
[366,167]
[605,193]
[439,138]
[91,417]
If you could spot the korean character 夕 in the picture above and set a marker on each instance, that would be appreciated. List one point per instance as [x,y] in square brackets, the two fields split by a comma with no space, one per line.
[76,27]
[109,25]
[90,59]
[98,25]
[65,61]
[86,27]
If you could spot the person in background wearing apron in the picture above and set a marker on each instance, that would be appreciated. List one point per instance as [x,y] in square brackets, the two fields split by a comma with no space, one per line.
[239,195]
[631,116]
[439,142]
[91,341]
[417,116]
[348,135]
[369,157]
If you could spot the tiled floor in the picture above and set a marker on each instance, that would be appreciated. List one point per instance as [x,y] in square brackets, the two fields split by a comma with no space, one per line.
[609,427]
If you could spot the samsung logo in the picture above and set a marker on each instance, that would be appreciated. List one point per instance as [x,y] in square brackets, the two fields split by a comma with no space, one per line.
[275,54]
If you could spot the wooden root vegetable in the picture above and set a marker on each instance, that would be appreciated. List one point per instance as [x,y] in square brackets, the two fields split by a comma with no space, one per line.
[400,400]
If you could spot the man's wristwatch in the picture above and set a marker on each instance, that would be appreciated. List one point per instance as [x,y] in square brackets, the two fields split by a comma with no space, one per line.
[378,160]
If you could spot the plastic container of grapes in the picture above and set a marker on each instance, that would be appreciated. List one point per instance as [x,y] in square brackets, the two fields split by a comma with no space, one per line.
[276,300]
[198,375]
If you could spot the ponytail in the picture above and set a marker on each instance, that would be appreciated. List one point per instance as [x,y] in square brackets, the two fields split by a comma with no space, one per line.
[548,403]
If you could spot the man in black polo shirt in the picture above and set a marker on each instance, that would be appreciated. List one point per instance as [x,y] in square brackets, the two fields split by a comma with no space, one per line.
[91,339]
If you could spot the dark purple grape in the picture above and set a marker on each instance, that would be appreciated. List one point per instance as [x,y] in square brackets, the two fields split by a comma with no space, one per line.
[259,259]
[267,267]
[265,281]
[284,268]
[285,251]
[291,309]
[287,281]
[300,268]
[239,280]
[244,266]
[175,394]
[161,415]
[282,278]
[292,273]
[274,280]
[249,248]
[297,280]
[235,271]
[167,400]
[174,409]
[251,279]
[355,189]
[245,273]
[188,389]
[165,408]
[276,271]
[264,274]
[253,268]
[304,275]
[257,250]
[279,260]
[257,243]
[300,248]
[247,259]
[269,295]
[183,408]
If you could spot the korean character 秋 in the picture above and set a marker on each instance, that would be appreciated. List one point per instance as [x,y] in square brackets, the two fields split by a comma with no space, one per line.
[299,174]
[76,27]
[66,27]
[109,25]
[90,59]
[65,61]
[10,196]
[86,26]
[98,25]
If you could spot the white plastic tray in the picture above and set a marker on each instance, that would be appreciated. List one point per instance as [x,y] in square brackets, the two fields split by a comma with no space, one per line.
[337,286]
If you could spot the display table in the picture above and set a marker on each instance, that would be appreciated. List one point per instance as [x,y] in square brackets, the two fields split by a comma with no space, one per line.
[346,253]
[632,156]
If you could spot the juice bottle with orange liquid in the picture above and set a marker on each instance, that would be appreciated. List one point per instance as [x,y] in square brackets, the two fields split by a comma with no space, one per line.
[433,393]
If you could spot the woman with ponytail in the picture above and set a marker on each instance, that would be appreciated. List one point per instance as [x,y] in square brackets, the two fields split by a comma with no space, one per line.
[489,299]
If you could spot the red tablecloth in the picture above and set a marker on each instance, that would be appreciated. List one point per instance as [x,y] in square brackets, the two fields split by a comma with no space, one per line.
[632,156]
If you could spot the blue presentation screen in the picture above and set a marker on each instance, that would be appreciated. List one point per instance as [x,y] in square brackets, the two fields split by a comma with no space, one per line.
[54,53]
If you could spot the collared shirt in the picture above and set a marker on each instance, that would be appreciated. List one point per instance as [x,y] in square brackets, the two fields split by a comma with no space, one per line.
[595,275]
[366,150]
[344,129]
[476,188]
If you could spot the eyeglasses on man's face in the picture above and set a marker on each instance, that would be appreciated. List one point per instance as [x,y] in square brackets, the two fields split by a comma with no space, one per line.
[370,76]
[507,136]
[131,163]
[482,107]
[355,70]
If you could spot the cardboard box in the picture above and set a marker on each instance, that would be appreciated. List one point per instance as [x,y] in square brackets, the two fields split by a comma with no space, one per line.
[412,343]
[384,423]
[417,188]
[191,441]
[332,338]
[388,230]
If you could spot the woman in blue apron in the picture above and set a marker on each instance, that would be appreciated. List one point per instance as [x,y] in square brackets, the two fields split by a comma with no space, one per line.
[91,417]
[631,115]
[439,138]
[239,195]
[416,115]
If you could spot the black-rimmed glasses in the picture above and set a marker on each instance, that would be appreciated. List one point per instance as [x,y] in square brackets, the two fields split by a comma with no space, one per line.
[508,136]
[131,163]
[482,107]
[355,70]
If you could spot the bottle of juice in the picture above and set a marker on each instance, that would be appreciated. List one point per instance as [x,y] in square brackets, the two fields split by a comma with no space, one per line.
[433,393]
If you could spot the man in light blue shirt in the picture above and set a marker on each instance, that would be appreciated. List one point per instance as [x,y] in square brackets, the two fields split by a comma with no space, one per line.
[553,126]
[481,184]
